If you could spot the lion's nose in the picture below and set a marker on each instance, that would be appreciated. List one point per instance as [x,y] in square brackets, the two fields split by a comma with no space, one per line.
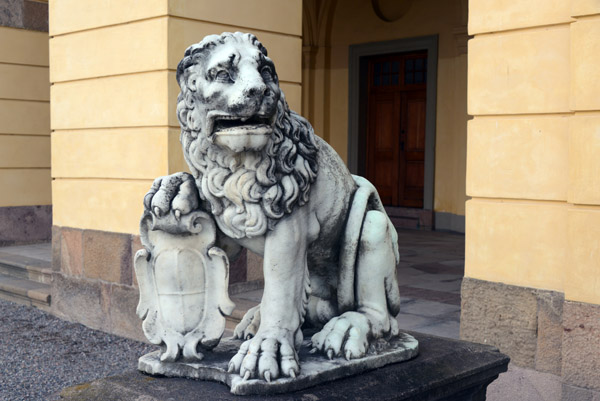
[249,98]
[255,90]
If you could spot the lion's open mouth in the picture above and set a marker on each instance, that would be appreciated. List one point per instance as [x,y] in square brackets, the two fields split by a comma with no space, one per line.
[237,133]
[232,125]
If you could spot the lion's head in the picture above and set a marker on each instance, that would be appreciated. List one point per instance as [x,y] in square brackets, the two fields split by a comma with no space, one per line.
[254,160]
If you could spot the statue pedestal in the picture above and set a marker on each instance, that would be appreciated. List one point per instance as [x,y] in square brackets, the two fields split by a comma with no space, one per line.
[445,369]
[316,368]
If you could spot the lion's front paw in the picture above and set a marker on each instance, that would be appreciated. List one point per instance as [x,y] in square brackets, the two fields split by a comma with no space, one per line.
[269,355]
[175,193]
[345,335]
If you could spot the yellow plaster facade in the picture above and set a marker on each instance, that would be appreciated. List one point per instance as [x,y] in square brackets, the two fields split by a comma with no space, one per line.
[143,153]
[520,242]
[99,204]
[530,161]
[114,94]
[538,167]
[68,16]
[533,146]
[332,26]
[25,186]
[24,118]
[584,166]
[24,151]
[112,69]
[585,47]
[520,72]
[502,15]
[583,278]
[92,53]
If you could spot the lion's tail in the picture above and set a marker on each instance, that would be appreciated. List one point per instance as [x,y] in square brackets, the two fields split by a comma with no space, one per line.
[365,198]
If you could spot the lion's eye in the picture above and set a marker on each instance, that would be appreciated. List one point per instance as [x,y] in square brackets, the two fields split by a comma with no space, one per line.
[267,74]
[223,76]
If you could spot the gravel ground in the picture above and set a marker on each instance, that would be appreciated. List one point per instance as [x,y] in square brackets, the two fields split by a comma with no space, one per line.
[41,354]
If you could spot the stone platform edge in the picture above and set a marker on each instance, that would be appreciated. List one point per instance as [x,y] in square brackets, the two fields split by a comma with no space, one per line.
[315,368]
[445,369]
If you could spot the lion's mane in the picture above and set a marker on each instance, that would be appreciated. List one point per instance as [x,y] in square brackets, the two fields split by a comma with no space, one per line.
[248,193]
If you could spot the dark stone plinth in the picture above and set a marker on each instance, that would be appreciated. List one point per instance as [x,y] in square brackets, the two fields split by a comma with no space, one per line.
[444,370]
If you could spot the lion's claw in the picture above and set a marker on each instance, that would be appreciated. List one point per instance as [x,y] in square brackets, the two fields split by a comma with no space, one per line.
[344,335]
[176,192]
[267,356]
[236,361]
[248,326]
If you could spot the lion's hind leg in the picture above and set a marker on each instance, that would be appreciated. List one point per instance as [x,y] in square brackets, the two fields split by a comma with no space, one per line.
[377,297]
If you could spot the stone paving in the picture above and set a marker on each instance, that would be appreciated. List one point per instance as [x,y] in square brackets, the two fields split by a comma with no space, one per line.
[430,274]
[42,251]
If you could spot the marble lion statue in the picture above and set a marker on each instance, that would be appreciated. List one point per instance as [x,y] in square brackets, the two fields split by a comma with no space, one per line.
[275,188]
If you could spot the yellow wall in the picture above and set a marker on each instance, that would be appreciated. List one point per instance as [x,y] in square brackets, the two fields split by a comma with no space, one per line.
[533,167]
[326,89]
[114,94]
[24,118]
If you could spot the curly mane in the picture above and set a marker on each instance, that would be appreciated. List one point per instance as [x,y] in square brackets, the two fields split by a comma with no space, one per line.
[248,192]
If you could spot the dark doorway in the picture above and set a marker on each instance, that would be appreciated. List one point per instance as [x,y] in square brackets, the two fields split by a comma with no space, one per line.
[396,88]
[358,93]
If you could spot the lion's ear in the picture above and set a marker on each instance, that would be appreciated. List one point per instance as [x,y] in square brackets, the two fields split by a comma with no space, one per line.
[192,81]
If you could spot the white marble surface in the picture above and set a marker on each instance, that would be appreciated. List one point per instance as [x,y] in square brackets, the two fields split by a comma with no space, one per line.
[270,185]
[315,370]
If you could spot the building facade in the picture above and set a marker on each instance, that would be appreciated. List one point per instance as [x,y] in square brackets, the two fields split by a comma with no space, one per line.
[532,274]
[25,198]
[478,116]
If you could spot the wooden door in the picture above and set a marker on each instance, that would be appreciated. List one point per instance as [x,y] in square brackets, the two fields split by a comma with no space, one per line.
[395,139]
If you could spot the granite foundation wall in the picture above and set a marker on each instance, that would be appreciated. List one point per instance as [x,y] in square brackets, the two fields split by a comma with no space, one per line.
[94,280]
[539,330]
[26,14]
[581,352]
[25,224]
